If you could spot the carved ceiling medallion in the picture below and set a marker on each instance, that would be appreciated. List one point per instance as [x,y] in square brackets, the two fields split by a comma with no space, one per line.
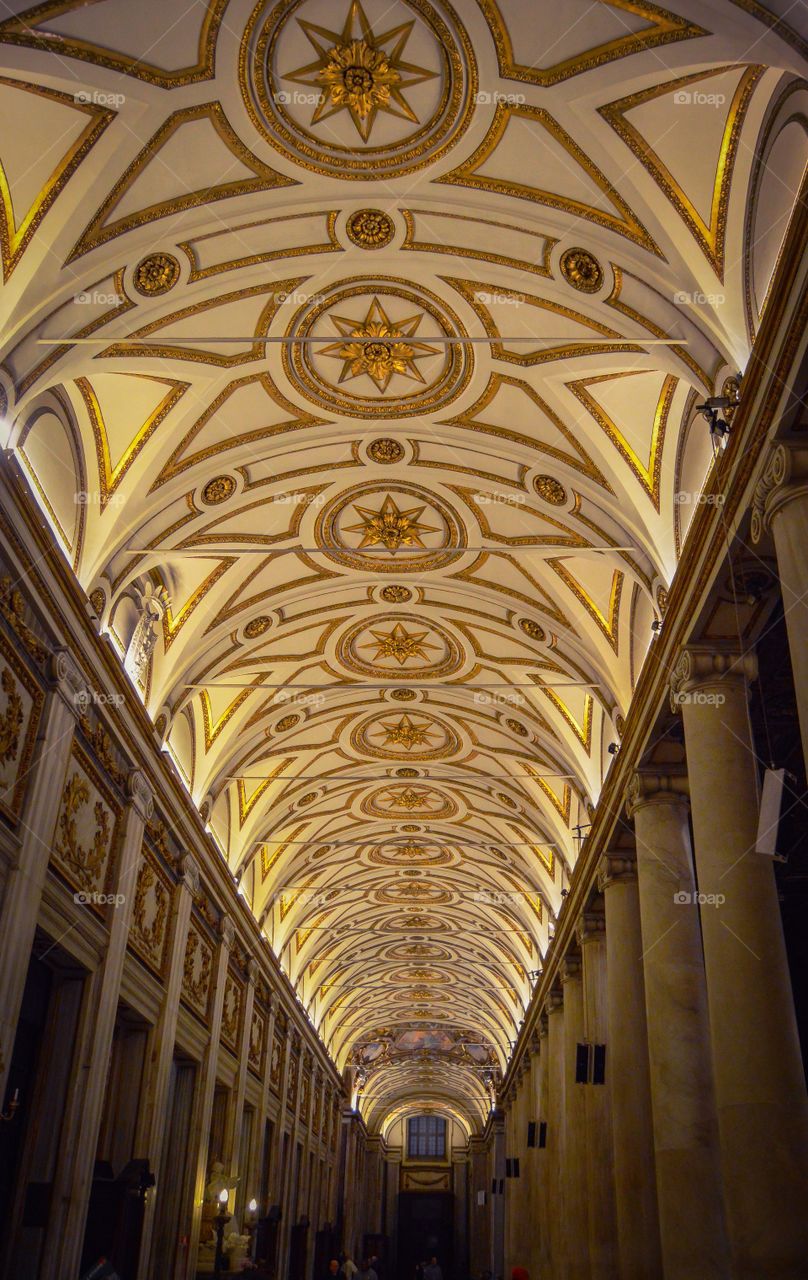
[403,798]
[403,734]
[373,356]
[388,647]
[395,529]
[337,85]
[370,229]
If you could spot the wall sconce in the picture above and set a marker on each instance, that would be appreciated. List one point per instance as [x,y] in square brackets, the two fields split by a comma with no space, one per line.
[12,1107]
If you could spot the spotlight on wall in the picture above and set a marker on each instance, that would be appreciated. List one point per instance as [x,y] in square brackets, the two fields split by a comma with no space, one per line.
[711,411]
[613,748]
[656,626]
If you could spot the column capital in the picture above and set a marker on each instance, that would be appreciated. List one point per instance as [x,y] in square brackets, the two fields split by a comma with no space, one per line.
[591,927]
[140,793]
[543,1025]
[253,971]
[190,874]
[617,866]
[702,671]
[228,932]
[784,478]
[571,968]
[647,787]
[68,681]
[555,1000]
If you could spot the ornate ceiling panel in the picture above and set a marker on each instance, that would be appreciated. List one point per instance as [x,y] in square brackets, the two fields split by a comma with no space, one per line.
[352,351]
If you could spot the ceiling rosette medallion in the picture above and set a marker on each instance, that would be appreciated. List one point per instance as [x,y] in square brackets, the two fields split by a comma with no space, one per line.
[391,647]
[342,87]
[373,348]
[402,734]
[400,799]
[397,528]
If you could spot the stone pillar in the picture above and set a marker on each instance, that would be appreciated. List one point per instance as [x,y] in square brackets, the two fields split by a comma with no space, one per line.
[74,1181]
[233,1138]
[574,1198]
[599,1138]
[255,1171]
[286,1222]
[152,1117]
[542,1183]
[556,1131]
[26,877]
[781,505]
[529,1179]
[759,1081]
[688,1168]
[203,1107]
[628,1073]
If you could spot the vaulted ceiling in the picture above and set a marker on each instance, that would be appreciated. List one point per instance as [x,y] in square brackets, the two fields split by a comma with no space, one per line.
[352,351]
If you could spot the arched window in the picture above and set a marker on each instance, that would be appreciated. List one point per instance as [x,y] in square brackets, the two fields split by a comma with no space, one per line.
[426,1137]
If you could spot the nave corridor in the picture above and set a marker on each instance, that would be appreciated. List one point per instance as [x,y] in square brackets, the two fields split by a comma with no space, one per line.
[403,639]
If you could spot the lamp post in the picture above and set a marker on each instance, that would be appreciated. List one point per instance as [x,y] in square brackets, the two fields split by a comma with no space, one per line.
[221,1219]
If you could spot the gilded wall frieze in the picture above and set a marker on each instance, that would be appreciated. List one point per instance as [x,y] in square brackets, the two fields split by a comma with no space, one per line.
[21,704]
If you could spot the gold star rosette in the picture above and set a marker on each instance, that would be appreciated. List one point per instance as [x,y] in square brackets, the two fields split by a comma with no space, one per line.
[390,526]
[360,71]
[378,348]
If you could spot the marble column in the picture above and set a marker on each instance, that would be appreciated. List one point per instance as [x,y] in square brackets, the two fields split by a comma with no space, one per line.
[206,1086]
[237,1157]
[530,1164]
[542,1183]
[688,1168]
[759,1080]
[556,1132]
[781,506]
[152,1115]
[628,1073]
[599,1139]
[576,1218]
[73,1183]
[259,1156]
[26,877]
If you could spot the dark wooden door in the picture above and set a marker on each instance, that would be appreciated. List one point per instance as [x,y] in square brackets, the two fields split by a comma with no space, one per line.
[425,1230]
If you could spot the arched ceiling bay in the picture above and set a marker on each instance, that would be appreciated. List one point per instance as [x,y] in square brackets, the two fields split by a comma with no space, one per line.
[352,351]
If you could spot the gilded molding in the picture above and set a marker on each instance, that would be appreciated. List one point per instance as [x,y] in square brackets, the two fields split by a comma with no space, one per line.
[99,230]
[14,239]
[665,28]
[710,235]
[466,175]
[22,29]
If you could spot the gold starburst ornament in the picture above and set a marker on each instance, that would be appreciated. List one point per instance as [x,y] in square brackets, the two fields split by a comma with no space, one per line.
[359,71]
